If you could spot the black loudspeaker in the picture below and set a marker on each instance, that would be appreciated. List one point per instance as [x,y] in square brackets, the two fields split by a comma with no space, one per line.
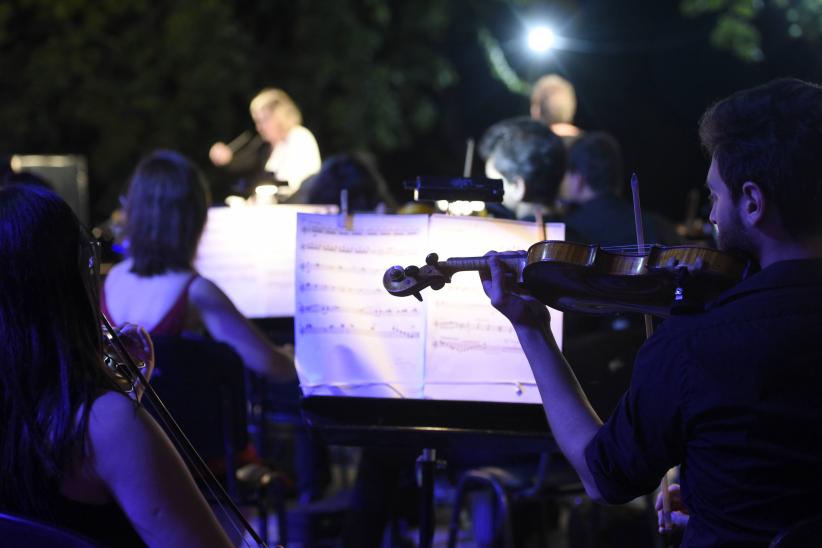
[66,173]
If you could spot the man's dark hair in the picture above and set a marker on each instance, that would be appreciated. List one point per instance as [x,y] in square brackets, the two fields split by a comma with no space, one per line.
[522,147]
[166,210]
[24,178]
[772,135]
[354,172]
[596,156]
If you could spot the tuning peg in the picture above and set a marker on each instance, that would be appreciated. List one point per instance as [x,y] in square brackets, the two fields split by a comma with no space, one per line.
[432,259]
[418,296]
[396,274]
[412,271]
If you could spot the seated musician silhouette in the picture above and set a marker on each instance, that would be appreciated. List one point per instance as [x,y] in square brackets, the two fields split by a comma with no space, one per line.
[554,103]
[354,172]
[728,393]
[283,151]
[592,193]
[530,160]
[156,286]
[77,452]
[602,348]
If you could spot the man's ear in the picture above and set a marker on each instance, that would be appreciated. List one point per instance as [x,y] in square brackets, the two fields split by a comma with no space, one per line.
[576,184]
[752,203]
[519,188]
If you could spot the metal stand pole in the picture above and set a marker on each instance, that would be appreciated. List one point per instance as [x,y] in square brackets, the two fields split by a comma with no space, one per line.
[426,464]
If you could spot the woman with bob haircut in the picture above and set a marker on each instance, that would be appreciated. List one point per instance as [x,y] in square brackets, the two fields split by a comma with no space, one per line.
[157,286]
[75,450]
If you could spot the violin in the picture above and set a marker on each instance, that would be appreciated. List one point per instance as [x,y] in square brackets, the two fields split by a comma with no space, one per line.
[575,277]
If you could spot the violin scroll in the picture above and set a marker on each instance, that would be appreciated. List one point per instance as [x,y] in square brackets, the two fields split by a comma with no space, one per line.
[402,282]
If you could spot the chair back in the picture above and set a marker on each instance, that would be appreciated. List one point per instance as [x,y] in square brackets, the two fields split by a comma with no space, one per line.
[804,534]
[19,531]
[202,383]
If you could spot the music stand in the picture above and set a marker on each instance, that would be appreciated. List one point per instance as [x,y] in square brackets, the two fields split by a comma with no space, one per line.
[427,426]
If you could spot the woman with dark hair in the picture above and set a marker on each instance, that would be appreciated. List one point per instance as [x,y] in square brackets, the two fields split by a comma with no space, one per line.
[74,449]
[156,286]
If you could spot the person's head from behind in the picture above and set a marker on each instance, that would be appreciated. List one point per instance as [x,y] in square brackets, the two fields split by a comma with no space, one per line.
[274,114]
[356,174]
[594,168]
[51,353]
[553,100]
[528,157]
[24,178]
[166,209]
[766,170]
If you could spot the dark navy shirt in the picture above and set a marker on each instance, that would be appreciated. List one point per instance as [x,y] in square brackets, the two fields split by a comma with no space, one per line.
[733,395]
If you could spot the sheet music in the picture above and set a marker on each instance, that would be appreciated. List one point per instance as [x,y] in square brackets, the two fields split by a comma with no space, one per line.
[472,351]
[249,253]
[352,336]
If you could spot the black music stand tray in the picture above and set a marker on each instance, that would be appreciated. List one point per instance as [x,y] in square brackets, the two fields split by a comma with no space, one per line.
[428,425]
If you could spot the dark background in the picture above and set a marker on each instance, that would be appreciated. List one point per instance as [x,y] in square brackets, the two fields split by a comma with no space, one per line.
[406,80]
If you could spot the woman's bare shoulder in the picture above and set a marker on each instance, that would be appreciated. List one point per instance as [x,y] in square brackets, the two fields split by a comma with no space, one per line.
[206,294]
[113,411]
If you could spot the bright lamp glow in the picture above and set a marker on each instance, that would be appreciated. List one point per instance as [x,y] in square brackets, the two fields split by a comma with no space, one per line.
[540,39]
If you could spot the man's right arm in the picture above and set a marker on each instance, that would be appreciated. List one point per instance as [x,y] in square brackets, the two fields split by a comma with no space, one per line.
[572,420]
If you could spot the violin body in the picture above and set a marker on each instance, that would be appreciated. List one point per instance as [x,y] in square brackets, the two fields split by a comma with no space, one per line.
[576,277]
[586,278]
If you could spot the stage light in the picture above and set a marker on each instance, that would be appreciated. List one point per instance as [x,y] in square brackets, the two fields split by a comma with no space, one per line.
[540,39]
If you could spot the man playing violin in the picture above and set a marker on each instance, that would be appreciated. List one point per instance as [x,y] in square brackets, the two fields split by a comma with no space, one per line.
[728,393]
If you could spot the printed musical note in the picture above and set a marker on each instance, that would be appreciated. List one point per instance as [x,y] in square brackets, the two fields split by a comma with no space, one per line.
[308,286]
[341,267]
[376,311]
[472,326]
[463,345]
[351,329]
[385,231]
[352,249]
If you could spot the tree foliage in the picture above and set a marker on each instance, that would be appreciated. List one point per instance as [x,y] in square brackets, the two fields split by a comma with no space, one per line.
[117,78]
[366,72]
[736,28]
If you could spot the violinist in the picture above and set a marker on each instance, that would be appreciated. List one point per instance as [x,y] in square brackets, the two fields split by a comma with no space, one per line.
[156,286]
[730,393]
[76,450]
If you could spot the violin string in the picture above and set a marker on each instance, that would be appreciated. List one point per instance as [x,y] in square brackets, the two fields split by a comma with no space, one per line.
[200,468]
[630,248]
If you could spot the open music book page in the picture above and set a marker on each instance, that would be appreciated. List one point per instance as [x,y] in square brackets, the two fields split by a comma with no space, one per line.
[249,253]
[471,350]
[353,338]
